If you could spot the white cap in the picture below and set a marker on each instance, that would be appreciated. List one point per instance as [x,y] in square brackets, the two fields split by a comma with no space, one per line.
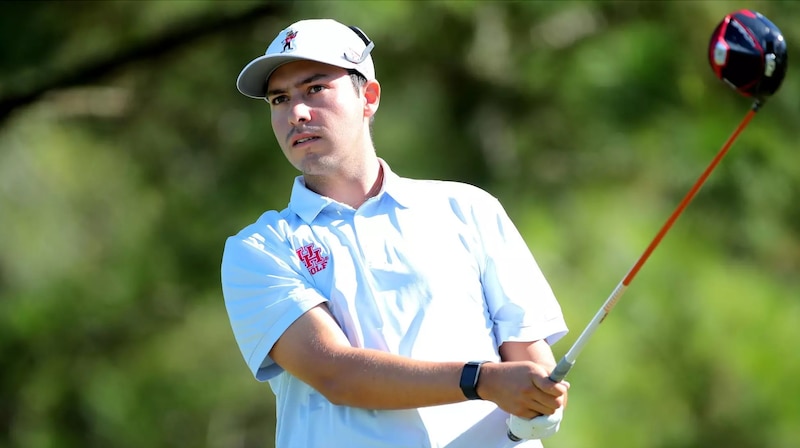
[321,40]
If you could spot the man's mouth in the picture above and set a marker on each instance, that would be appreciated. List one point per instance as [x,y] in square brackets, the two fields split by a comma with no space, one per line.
[304,140]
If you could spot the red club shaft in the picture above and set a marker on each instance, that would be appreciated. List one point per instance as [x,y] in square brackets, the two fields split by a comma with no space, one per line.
[566,363]
[689,196]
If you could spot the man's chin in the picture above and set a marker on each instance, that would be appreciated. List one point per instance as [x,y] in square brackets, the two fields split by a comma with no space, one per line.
[317,165]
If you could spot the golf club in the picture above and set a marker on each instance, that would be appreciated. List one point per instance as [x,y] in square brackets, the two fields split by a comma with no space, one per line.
[746,51]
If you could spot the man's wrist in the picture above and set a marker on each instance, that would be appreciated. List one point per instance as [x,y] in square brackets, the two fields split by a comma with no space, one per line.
[470,375]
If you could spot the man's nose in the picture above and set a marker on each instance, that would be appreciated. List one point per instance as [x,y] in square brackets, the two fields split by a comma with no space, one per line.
[300,113]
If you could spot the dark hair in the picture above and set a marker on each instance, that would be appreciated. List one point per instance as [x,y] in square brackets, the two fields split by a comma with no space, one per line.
[358,79]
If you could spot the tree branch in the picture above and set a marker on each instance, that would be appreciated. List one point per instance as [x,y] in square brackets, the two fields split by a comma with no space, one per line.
[177,36]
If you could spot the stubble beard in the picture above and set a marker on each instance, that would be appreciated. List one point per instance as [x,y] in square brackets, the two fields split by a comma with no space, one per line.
[315,164]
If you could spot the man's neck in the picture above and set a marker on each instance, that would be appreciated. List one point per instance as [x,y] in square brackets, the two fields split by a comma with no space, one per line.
[352,190]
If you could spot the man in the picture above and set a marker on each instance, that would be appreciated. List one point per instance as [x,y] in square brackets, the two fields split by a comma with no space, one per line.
[383,311]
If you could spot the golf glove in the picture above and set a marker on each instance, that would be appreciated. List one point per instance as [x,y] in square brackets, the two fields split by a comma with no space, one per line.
[539,427]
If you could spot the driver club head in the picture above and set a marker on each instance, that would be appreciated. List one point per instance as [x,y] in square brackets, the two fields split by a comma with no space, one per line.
[748,52]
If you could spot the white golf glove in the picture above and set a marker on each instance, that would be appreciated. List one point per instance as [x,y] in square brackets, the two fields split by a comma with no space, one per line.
[540,427]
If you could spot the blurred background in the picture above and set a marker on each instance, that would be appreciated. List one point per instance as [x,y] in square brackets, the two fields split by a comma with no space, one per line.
[127,157]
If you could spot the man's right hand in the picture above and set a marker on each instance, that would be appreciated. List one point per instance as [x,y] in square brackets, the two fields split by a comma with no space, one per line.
[522,388]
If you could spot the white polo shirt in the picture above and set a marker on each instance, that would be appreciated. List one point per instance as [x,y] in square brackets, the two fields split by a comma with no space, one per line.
[431,270]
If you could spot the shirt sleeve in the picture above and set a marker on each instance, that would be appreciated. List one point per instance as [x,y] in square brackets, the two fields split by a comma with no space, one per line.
[521,302]
[265,291]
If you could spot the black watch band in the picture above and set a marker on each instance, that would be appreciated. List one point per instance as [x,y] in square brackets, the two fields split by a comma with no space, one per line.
[469,379]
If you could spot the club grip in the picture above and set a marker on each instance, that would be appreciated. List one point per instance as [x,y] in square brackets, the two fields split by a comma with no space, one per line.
[561,370]
[559,373]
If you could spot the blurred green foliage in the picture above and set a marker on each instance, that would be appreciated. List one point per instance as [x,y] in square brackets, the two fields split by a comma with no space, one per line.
[127,157]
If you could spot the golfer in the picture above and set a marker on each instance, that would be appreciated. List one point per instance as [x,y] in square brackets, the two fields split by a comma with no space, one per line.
[383,311]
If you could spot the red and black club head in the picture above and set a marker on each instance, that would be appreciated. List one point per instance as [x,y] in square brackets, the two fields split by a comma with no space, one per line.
[748,52]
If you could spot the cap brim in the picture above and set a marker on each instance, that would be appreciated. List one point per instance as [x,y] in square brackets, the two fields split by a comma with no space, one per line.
[252,80]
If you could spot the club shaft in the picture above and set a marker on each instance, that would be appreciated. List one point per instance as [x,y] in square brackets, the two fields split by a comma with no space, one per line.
[566,363]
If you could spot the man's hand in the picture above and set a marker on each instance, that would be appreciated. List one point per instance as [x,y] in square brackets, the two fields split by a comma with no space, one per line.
[539,427]
[522,388]
[525,391]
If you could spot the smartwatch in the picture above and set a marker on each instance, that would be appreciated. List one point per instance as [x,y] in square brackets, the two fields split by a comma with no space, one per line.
[469,379]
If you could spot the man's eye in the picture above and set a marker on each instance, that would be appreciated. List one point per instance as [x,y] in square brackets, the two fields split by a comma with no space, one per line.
[315,89]
[278,100]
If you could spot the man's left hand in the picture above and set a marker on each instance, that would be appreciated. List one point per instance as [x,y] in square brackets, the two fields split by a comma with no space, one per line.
[539,427]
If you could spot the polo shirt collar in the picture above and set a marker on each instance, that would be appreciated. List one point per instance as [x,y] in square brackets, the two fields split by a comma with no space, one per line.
[395,187]
[307,204]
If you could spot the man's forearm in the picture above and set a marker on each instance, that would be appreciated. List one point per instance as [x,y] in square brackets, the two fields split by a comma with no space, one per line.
[315,350]
[538,352]
[372,379]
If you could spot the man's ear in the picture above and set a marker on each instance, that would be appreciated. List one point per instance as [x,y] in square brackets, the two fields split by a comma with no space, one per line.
[372,97]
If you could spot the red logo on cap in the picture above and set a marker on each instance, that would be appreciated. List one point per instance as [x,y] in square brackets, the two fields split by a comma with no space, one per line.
[288,41]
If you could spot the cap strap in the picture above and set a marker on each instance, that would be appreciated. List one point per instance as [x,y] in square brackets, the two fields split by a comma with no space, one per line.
[361,34]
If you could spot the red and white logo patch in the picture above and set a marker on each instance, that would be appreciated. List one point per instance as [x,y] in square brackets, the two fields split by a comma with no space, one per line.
[311,256]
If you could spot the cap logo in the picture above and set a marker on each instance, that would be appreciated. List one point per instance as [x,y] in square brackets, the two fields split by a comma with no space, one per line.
[354,57]
[288,41]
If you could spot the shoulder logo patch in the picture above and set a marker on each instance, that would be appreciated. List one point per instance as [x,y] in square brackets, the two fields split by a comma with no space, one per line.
[311,256]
